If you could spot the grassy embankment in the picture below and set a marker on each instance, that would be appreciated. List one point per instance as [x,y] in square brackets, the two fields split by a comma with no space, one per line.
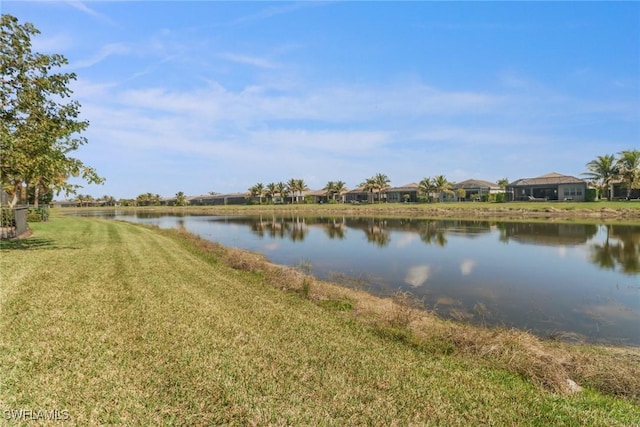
[561,211]
[119,323]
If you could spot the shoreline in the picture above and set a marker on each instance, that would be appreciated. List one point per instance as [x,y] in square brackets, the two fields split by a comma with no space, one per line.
[555,211]
[558,365]
[136,306]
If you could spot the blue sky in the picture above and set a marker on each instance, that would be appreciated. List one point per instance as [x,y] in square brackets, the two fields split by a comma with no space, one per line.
[217,96]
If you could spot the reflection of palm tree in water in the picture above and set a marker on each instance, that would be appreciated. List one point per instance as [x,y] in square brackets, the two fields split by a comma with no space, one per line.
[376,232]
[258,227]
[429,233]
[625,251]
[277,228]
[298,229]
[335,229]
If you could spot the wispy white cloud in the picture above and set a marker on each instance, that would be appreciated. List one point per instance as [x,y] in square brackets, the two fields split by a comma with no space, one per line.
[82,7]
[273,11]
[104,53]
[248,60]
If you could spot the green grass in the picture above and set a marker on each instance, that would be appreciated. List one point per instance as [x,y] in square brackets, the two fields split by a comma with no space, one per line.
[118,323]
[617,211]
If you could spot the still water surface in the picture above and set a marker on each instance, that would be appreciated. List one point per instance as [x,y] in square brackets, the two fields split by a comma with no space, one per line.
[570,280]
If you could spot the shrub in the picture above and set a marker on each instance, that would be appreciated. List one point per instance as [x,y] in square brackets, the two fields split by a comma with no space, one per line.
[37,214]
[8,218]
[500,198]
[591,195]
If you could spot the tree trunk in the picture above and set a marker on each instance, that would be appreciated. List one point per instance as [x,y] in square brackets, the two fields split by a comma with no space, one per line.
[36,192]
[14,200]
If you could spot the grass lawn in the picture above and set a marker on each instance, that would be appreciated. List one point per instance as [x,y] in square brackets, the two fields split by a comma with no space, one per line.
[618,211]
[108,322]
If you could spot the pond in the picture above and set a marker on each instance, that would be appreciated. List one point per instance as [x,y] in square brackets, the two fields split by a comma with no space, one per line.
[566,280]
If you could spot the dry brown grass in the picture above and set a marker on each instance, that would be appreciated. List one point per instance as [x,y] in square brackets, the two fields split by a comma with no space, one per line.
[549,364]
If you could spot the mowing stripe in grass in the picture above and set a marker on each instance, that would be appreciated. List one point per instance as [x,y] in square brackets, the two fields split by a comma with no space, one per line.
[119,323]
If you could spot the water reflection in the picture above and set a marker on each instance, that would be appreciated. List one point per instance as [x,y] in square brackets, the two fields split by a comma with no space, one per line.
[547,233]
[566,279]
[621,248]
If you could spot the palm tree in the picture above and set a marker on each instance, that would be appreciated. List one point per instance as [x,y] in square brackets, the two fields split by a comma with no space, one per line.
[271,190]
[260,191]
[281,189]
[426,186]
[369,186]
[628,165]
[181,199]
[301,186]
[381,183]
[339,188]
[257,191]
[292,187]
[602,170]
[441,185]
[330,189]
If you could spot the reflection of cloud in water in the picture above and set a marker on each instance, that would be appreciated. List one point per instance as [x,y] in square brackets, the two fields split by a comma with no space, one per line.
[466,266]
[417,276]
[562,251]
[444,300]
[608,312]
[272,246]
[406,240]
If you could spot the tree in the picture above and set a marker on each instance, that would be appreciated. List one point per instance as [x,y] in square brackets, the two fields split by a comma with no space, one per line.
[39,126]
[334,187]
[441,185]
[330,189]
[425,186]
[301,186]
[628,165]
[281,188]
[271,190]
[148,199]
[369,186]
[381,182]
[296,187]
[602,170]
[503,183]
[292,187]
[257,191]
[181,199]
[339,188]
[108,200]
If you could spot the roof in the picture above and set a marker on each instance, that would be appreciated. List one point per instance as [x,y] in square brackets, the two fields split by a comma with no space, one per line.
[548,179]
[315,193]
[475,183]
[413,186]
[215,196]
[357,190]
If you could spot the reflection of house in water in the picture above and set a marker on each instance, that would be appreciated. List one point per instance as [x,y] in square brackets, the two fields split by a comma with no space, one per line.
[547,234]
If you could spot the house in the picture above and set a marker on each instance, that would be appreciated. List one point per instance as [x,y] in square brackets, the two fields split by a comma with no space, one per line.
[404,193]
[168,201]
[358,195]
[619,190]
[552,186]
[477,189]
[315,196]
